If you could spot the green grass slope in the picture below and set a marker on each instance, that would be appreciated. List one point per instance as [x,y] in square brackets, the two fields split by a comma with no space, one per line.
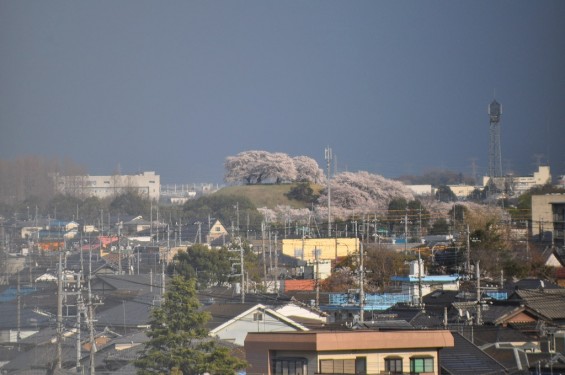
[265,195]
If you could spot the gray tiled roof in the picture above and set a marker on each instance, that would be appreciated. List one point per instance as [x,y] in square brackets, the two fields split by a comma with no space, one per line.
[465,358]
[547,302]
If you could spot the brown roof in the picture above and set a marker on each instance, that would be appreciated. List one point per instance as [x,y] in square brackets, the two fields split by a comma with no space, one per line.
[299,285]
[351,340]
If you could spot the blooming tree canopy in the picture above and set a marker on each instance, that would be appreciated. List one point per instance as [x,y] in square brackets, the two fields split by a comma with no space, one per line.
[255,167]
[307,169]
[360,192]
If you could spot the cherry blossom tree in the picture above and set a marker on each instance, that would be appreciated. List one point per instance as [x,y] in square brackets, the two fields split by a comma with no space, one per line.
[255,167]
[362,192]
[307,169]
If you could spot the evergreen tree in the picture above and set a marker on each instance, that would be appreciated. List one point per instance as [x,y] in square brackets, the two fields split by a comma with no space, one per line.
[179,339]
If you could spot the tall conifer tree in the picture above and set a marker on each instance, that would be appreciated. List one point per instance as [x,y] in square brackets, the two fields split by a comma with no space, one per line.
[179,340]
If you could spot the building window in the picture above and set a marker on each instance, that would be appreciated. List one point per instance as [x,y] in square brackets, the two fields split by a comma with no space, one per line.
[298,253]
[337,366]
[361,365]
[289,366]
[258,316]
[393,365]
[218,229]
[419,365]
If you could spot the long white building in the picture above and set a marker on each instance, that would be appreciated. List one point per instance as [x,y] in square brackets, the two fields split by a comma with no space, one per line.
[146,184]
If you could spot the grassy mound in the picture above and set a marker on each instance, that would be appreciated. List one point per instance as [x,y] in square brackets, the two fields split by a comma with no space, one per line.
[265,195]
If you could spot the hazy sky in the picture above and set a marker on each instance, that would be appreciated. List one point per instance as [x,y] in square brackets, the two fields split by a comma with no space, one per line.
[394,87]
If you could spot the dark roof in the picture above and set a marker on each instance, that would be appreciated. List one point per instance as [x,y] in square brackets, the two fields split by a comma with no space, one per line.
[42,356]
[220,294]
[547,302]
[512,358]
[224,312]
[412,315]
[498,314]
[308,297]
[486,335]
[466,358]
[384,325]
[29,319]
[132,313]
[436,301]
[134,284]
[531,284]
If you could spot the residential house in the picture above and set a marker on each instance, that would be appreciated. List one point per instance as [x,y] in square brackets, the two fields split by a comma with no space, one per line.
[346,352]
[232,322]
[202,231]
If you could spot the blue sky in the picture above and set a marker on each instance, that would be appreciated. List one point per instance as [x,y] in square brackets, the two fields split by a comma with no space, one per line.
[394,87]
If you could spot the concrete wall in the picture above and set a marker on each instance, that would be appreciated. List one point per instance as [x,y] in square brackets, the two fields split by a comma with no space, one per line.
[542,215]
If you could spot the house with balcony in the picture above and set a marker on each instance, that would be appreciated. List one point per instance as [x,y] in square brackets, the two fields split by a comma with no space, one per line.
[346,352]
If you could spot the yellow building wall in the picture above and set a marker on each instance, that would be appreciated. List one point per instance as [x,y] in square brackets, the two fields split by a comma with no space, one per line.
[327,248]
[376,359]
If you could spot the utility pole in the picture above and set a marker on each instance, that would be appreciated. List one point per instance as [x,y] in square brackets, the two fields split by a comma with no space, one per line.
[328,157]
[406,231]
[119,253]
[237,216]
[276,264]
[361,284]
[242,268]
[420,303]
[59,311]
[163,278]
[91,316]
[316,255]
[468,265]
[19,337]
[527,240]
[263,250]
[479,317]
[79,310]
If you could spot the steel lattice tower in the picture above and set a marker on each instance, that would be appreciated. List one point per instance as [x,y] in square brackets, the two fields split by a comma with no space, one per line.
[495,155]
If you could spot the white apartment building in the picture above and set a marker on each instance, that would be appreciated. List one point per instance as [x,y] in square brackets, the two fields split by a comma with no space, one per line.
[518,185]
[146,184]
